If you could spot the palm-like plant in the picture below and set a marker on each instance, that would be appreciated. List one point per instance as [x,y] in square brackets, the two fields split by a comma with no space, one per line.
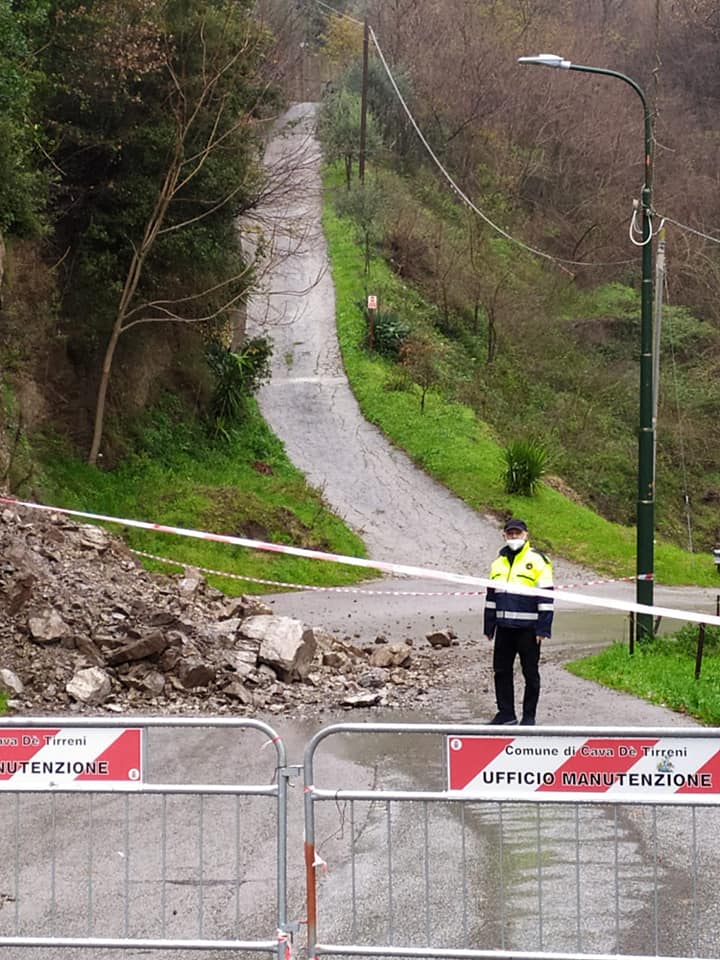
[526,462]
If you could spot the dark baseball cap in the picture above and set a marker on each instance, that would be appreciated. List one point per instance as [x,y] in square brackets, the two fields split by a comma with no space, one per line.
[515,525]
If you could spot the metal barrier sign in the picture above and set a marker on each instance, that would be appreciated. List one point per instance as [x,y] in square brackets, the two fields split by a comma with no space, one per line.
[73,758]
[128,835]
[642,769]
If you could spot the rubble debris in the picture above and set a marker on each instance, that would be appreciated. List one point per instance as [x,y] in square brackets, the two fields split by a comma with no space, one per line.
[85,628]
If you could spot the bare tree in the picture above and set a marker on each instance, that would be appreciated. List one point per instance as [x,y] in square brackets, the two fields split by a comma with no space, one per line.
[200,101]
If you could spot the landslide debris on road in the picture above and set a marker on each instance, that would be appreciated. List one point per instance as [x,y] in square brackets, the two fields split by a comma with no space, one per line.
[84,628]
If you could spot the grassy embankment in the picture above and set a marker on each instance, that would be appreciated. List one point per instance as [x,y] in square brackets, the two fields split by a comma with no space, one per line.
[663,672]
[451,443]
[459,450]
[245,488]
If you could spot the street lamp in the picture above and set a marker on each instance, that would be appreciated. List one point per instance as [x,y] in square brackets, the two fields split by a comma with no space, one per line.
[646,439]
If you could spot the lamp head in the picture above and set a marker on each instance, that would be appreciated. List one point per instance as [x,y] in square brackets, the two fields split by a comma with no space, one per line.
[547,60]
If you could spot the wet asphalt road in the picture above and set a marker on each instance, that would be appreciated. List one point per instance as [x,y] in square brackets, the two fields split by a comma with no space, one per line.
[402,514]
[516,878]
[598,901]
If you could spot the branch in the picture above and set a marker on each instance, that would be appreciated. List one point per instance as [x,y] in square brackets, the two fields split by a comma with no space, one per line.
[161,304]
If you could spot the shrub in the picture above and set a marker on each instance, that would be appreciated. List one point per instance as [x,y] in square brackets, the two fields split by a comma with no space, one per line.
[237,376]
[390,331]
[526,461]
[686,639]
[398,382]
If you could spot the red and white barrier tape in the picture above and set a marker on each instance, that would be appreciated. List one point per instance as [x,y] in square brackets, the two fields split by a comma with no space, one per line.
[309,586]
[598,583]
[420,573]
[361,590]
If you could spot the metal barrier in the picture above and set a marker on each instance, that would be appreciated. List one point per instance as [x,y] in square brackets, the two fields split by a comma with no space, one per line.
[506,842]
[95,853]
[447,841]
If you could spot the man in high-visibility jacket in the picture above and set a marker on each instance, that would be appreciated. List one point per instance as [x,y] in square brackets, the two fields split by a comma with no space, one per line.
[518,622]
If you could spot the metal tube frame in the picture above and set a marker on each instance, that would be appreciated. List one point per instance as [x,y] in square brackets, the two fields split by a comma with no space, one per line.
[313,794]
[278,790]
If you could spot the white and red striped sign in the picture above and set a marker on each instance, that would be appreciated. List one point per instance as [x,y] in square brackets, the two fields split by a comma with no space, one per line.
[677,769]
[50,758]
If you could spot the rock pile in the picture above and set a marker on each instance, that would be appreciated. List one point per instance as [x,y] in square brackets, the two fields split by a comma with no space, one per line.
[84,628]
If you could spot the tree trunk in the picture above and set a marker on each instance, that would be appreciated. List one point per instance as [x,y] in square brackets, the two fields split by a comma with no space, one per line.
[491,337]
[102,393]
[3,254]
[132,280]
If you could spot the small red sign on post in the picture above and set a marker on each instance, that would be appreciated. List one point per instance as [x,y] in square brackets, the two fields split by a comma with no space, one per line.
[372,307]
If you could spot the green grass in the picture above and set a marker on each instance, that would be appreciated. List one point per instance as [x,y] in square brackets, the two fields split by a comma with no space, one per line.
[453,445]
[662,672]
[246,488]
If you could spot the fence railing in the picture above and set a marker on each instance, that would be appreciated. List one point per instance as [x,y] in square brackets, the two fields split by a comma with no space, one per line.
[109,842]
[474,841]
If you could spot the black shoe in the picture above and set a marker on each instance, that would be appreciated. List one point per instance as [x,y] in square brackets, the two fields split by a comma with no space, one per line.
[501,720]
[527,722]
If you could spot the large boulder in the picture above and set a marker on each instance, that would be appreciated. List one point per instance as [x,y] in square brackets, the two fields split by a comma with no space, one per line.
[147,645]
[195,673]
[91,685]
[392,655]
[286,645]
[47,625]
[440,638]
[10,682]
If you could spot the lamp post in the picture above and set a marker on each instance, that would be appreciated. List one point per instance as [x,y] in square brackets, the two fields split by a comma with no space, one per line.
[646,438]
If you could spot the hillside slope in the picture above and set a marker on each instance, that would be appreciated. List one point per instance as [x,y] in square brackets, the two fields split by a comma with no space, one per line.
[402,515]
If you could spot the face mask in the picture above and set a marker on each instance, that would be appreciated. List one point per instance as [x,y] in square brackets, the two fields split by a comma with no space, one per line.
[516,543]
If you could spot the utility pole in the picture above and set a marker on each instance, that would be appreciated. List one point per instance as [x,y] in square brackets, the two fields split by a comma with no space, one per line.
[363,103]
[644,590]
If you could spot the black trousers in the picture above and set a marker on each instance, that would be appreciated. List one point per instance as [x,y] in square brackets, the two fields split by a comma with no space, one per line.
[510,642]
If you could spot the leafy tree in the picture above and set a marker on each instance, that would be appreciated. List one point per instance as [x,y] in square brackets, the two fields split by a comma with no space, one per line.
[365,206]
[425,358]
[342,40]
[22,186]
[154,110]
[339,130]
[393,124]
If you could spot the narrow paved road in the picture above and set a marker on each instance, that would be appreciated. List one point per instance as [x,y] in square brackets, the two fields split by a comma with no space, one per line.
[401,513]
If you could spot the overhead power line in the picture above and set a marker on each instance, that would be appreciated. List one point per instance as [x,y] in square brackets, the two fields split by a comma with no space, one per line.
[339,13]
[684,226]
[464,197]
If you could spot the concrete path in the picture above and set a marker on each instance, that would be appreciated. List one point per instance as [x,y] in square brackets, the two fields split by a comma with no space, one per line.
[402,514]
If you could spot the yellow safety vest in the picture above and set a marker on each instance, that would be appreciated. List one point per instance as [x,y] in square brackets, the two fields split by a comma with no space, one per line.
[530,568]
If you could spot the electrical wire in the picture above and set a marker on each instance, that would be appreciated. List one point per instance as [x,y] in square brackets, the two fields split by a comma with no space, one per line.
[633,231]
[464,197]
[684,226]
[339,13]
